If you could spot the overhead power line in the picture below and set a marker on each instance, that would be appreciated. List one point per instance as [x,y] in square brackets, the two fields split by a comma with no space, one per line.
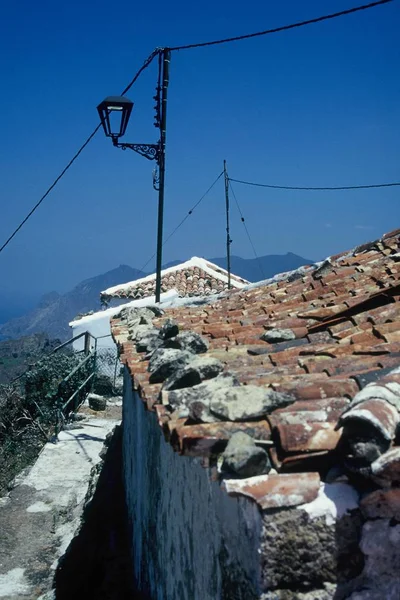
[53,185]
[185,218]
[144,66]
[247,231]
[200,45]
[247,36]
[318,189]
[73,159]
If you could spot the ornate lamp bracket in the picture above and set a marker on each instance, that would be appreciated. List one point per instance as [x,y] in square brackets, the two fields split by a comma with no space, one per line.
[149,151]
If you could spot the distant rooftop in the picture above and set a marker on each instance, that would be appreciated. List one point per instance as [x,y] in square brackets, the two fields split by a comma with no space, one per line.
[195,277]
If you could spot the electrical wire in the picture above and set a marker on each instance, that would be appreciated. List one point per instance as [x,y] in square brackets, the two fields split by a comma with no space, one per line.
[318,189]
[144,66]
[184,218]
[73,159]
[247,231]
[201,45]
[283,27]
[53,185]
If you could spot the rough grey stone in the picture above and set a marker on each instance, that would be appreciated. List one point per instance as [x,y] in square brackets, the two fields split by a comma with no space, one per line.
[197,398]
[165,361]
[48,596]
[139,330]
[247,402]
[199,411]
[327,593]
[367,246]
[243,458]
[97,402]
[323,270]
[148,340]
[299,553]
[382,589]
[278,335]
[198,370]
[380,544]
[188,340]
[136,316]
[295,275]
[139,320]
[169,329]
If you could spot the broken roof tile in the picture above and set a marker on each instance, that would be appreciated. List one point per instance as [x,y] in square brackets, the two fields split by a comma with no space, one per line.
[206,439]
[390,234]
[308,437]
[377,413]
[386,469]
[276,491]
[310,411]
[322,313]
[319,389]
[319,462]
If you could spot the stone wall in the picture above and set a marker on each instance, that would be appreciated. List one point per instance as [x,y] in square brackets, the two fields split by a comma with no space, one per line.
[190,540]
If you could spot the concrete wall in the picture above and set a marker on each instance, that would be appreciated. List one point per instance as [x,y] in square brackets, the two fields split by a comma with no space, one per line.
[190,541]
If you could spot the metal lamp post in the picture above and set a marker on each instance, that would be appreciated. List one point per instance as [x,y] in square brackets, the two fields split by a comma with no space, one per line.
[114,114]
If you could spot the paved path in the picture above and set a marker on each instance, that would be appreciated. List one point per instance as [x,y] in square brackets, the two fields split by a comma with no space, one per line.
[41,514]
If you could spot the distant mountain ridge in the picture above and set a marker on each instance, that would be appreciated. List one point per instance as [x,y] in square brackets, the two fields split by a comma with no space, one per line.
[55,311]
[264,267]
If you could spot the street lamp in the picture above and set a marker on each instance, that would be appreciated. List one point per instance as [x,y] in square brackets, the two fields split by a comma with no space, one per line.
[115,125]
[114,113]
[120,105]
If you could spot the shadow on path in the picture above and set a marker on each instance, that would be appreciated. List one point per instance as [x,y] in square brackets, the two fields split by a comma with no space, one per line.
[97,563]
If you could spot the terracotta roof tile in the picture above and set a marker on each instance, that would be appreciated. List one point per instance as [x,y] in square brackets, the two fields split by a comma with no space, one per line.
[195,277]
[277,491]
[320,388]
[345,333]
[206,439]
[308,436]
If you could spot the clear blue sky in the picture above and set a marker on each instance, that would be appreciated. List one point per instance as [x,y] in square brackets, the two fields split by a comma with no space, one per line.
[314,106]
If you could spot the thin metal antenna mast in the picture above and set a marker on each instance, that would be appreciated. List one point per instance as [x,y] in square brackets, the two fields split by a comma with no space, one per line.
[228,237]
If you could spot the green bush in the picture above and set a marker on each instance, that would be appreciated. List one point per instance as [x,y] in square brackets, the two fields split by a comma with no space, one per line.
[44,386]
[29,410]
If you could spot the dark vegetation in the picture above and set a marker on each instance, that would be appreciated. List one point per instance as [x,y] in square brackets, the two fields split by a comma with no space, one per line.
[17,355]
[31,409]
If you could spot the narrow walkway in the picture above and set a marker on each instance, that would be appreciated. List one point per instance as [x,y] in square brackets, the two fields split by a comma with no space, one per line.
[41,514]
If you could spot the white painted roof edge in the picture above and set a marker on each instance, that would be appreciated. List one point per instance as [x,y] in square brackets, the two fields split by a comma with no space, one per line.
[195,261]
[110,312]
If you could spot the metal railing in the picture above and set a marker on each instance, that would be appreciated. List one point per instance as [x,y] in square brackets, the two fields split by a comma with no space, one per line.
[98,367]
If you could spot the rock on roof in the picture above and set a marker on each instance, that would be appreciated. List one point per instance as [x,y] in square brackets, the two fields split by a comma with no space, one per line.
[195,277]
[306,366]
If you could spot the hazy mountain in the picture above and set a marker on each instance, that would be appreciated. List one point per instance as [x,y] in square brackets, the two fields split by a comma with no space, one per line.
[15,304]
[264,267]
[54,312]
[254,269]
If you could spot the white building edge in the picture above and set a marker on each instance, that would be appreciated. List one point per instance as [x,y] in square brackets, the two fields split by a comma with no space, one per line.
[98,323]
